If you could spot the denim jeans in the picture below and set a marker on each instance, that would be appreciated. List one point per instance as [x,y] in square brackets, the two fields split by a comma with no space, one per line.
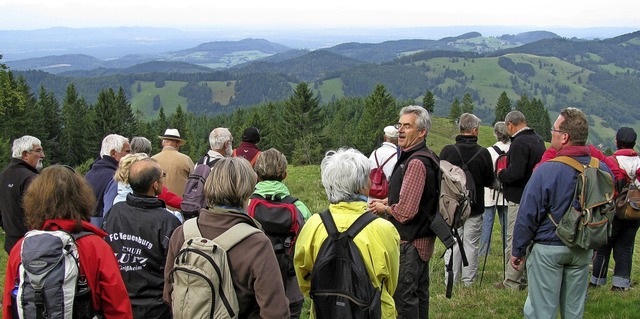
[487,227]
[623,236]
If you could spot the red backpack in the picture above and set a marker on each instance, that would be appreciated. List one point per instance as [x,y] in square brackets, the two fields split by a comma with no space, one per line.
[379,184]
[501,163]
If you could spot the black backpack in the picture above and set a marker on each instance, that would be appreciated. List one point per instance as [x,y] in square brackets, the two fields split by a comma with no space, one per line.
[193,198]
[471,184]
[340,284]
[279,220]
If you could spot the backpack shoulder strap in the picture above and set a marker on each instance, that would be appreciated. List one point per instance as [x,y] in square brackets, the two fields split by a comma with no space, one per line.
[360,224]
[573,162]
[472,157]
[190,229]
[211,163]
[288,199]
[329,224]
[255,158]
[81,234]
[459,154]
[234,235]
[498,150]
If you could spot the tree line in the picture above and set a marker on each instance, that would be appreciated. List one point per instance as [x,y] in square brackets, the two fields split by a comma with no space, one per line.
[71,131]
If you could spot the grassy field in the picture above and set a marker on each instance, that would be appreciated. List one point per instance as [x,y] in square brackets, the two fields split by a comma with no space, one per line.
[480,300]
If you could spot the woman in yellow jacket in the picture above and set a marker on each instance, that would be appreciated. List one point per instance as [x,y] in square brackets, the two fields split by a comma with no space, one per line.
[345,176]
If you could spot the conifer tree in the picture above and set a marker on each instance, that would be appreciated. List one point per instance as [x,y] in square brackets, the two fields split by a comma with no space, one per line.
[179,121]
[74,144]
[455,112]
[379,111]
[128,122]
[429,102]
[503,107]
[49,108]
[467,104]
[302,123]
[106,120]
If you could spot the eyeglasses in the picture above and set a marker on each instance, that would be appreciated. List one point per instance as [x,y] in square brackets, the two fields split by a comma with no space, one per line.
[399,126]
[39,150]
[557,131]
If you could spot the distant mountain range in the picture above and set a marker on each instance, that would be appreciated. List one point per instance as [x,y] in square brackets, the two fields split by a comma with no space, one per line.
[226,54]
[601,76]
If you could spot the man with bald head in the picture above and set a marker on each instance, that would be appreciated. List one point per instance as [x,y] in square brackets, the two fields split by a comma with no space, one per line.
[139,231]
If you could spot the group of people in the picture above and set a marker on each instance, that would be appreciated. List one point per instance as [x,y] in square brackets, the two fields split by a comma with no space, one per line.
[130,201]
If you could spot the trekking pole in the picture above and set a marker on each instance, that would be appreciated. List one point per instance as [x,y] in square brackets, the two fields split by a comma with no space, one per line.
[503,227]
[486,254]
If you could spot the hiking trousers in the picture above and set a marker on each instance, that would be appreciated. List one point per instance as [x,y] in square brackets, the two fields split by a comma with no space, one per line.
[557,277]
[412,294]
[514,279]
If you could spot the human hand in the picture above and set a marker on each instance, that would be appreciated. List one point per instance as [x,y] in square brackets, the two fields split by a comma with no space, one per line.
[517,262]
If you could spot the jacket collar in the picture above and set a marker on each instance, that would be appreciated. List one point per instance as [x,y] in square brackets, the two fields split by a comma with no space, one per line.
[20,162]
[625,152]
[472,139]
[144,201]
[71,226]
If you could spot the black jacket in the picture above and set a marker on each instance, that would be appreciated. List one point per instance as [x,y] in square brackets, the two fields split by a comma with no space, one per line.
[481,167]
[14,181]
[139,232]
[524,153]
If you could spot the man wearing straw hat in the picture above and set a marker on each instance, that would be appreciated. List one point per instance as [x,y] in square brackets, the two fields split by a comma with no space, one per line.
[178,166]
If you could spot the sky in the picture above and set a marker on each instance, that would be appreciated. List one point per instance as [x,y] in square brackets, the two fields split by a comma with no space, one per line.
[192,14]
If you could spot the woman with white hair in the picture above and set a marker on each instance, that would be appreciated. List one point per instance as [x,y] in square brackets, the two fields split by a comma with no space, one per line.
[345,176]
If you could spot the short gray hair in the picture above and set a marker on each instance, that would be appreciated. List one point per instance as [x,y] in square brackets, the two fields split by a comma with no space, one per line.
[468,122]
[423,119]
[515,118]
[141,144]
[112,142]
[271,165]
[500,132]
[231,182]
[344,173]
[218,137]
[23,144]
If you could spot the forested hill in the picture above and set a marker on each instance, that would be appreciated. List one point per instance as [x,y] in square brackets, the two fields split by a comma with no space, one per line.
[599,76]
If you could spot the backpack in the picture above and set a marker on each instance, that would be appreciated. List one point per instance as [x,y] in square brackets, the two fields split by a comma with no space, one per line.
[193,198]
[51,283]
[500,164]
[454,208]
[587,222]
[379,184]
[470,184]
[279,220]
[201,277]
[628,200]
[340,284]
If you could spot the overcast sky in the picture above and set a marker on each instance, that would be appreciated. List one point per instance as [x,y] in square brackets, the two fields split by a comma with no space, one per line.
[36,14]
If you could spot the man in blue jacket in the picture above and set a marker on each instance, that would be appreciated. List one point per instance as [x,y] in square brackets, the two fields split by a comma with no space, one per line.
[557,274]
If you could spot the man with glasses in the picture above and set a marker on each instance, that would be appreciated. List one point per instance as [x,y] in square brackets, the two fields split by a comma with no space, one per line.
[26,162]
[525,152]
[139,231]
[411,202]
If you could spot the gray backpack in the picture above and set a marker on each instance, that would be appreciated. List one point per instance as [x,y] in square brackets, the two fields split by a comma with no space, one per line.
[201,277]
[50,283]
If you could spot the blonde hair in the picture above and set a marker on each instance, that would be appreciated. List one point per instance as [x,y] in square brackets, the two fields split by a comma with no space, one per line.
[124,167]
[231,182]
[271,165]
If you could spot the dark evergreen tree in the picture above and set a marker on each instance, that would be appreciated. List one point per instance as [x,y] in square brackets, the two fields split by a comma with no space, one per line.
[74,144]
[302,124]
[379,111]
[503,107]
[455,112]
[429,102]
[467,103]
[49,108]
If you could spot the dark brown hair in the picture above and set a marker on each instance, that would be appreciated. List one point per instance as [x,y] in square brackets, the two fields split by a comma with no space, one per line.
[58,192]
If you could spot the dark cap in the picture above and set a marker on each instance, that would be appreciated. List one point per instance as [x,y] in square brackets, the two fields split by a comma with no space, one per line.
[251,135]
[626,135]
